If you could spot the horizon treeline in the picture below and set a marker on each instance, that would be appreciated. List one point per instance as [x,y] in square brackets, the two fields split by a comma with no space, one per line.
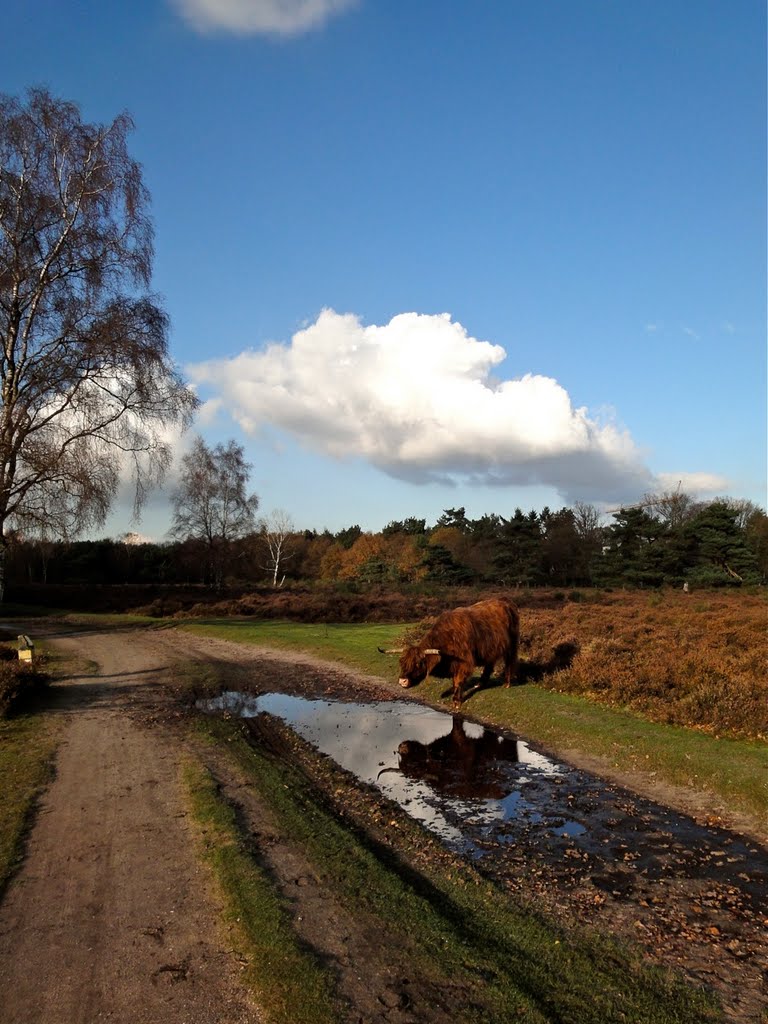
[669,541]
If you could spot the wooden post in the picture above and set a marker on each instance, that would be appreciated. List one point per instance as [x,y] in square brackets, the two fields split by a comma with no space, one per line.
[26,648]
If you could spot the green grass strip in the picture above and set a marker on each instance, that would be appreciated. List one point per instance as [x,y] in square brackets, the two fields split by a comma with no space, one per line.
[353,644]
[512,964]
[27,746]
[736,771]
[291,985]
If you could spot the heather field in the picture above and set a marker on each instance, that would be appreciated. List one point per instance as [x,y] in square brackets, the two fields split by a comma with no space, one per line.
[697,660]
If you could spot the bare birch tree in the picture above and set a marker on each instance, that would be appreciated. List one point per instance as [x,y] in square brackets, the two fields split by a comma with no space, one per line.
[211,502]
[87,381]
[275,531]
[586,523]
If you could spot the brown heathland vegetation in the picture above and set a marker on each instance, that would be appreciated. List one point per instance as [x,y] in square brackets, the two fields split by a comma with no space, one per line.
[696,660]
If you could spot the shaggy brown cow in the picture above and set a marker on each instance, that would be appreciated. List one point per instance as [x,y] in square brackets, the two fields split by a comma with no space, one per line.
[461,640]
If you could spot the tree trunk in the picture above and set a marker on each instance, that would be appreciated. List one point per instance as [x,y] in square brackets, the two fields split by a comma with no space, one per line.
[3,553]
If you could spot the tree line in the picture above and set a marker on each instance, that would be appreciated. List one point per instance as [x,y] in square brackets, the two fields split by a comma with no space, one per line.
[671,541]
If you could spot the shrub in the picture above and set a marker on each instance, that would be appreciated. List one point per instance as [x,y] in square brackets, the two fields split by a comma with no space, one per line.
[18,680]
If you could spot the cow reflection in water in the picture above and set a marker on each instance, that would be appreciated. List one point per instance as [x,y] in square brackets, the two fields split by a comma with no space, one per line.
[460,765]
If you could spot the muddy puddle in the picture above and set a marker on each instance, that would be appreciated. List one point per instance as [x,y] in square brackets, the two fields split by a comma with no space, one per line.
[455,777]
[492,796]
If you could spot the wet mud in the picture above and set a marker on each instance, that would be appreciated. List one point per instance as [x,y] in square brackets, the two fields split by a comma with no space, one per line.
[693,896]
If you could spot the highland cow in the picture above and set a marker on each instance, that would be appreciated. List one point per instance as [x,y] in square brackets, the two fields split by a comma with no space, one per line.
[461,640]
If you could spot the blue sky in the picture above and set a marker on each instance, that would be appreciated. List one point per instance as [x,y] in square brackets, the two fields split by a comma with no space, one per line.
[431,254]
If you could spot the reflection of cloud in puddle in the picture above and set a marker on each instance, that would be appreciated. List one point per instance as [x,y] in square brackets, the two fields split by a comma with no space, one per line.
[364,739]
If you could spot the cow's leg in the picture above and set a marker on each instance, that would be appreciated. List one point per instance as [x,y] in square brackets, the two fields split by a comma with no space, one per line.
[510,668]
[460,677]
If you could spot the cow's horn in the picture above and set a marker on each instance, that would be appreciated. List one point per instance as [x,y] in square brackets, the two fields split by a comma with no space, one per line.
[384,772]
[394,650]
[431,650]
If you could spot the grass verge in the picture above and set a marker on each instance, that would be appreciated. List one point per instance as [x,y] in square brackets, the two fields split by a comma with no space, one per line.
[493,960]
[27,745]
[735,771]
[292,987]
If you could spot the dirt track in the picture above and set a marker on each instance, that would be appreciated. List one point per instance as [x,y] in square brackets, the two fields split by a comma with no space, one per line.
[109,917]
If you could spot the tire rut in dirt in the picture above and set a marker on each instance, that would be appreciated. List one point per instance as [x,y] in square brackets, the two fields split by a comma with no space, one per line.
[375,978]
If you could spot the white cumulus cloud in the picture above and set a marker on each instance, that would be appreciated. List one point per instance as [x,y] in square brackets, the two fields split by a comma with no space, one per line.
[418,399]
[254,17]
